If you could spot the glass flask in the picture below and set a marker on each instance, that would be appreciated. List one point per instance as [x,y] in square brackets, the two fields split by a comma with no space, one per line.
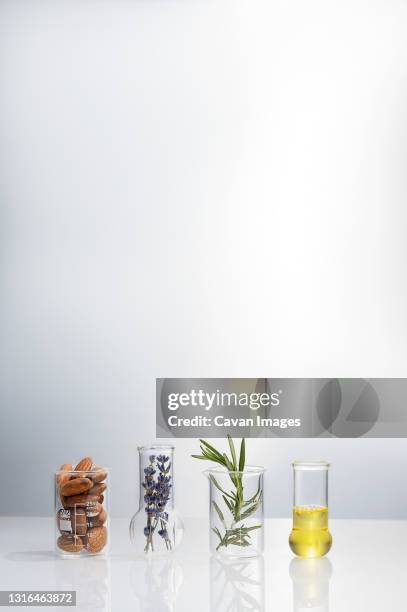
[81,511]
[310,536]
[156,527]
[236,511]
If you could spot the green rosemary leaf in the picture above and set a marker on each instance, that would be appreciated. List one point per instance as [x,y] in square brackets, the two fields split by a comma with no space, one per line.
[211,448]
[233,476]
[216,530]
[217,485]
[232,452]
[237,537]
[237,541]
[238,531]
[199,457]
[210,456]
[242,456]
[253,528]
[254,498]
[229,465]
[228,503]
[245,530]
[250,510]
[219,511]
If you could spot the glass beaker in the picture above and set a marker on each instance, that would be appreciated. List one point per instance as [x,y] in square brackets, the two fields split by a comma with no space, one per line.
[236,511]
[156,527]
[310,536]
[81,510]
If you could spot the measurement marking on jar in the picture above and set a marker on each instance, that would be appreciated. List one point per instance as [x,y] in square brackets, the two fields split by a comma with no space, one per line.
[37,598]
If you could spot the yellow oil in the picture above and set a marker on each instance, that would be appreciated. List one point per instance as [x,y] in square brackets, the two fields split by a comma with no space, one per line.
[310,536]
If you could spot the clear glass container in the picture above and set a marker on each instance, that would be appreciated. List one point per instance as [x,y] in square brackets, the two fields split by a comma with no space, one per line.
[156,527]
[81,511]
[236,511]
[310,536]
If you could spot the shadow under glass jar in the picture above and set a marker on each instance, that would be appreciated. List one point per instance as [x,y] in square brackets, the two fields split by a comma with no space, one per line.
[236,511]
[81,512]
[310,536]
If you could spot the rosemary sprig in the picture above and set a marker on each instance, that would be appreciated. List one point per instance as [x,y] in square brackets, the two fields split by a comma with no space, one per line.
[239,508]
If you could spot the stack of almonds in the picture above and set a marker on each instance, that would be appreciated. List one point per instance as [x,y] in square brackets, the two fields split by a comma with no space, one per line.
[82,517]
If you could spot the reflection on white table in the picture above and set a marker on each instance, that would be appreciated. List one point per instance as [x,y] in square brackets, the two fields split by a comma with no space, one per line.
[237,584]
[311,584]
[155,582]
[365,571]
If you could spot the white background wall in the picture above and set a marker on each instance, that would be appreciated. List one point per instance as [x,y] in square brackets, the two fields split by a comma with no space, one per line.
[197,189]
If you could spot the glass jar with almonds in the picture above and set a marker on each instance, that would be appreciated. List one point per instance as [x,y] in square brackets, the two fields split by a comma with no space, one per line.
[81,509]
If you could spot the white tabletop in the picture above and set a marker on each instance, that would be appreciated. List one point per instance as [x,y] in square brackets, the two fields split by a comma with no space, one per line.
[365,571]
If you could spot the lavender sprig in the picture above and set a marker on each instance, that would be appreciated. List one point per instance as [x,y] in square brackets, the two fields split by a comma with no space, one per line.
[157,495]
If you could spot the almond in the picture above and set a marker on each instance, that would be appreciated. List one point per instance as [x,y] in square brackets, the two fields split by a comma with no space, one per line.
[97,489]
[102,516]
[93,509]
[70,543]
[83,501]
[76,486]
[97,538]
[99,520]
[84,465]
[98,474]
[78,521]
[101,499]
[62,478]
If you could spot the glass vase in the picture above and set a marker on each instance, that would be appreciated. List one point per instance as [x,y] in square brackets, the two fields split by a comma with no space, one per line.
[310,536]
[81,511]
[156,527]
[236,511]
